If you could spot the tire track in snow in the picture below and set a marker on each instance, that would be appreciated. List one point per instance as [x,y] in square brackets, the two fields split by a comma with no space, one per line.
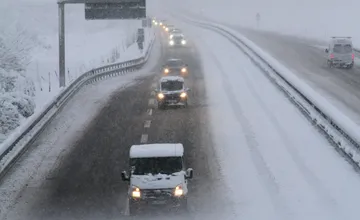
[308,175]
[267,177]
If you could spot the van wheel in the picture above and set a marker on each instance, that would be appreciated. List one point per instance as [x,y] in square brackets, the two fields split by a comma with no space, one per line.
[330,64]
[183,205]
[133,209]
[161,106]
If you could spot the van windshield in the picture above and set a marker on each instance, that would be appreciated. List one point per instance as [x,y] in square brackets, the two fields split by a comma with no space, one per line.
[156,165]
[342,48]
[172,85]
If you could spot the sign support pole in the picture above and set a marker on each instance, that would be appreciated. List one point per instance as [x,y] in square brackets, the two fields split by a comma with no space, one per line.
[61,44]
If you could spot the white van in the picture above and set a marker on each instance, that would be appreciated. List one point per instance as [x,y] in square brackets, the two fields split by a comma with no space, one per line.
[340,52]
[157,176]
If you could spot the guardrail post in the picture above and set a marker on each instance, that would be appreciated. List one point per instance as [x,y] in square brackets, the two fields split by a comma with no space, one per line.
[61,44]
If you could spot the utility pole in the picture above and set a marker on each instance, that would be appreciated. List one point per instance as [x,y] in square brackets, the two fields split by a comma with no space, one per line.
[61,44]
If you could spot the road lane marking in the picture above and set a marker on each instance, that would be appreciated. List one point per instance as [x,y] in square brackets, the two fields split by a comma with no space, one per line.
[144,138]
[152,93]
[153,85]
[147,124]
[151,101]
[149,111]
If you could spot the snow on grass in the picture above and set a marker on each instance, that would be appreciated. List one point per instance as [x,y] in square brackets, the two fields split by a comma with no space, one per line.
[89,44]
[272,158]
[318,19]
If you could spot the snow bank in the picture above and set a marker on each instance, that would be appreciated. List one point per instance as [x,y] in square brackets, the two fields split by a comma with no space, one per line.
[317,19]
[336,125]
[29,43]
[23,134]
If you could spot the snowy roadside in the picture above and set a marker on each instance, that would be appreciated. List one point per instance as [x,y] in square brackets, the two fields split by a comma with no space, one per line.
[47,113]
[89,44]
[271,157]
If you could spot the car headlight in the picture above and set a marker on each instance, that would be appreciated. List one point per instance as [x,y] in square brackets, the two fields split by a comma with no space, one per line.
[135,192]
[156,23]
[166,29]
[166,70]
[183,42]
[171,36]
[183,95]
[171,42]
[179,191]
[161,96]
[160,23]
[183,70]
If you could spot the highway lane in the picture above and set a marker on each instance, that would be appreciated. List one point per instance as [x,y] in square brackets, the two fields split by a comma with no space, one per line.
[306,59]
[83,179]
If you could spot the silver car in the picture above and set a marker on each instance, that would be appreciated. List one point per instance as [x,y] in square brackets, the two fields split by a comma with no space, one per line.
[340,52]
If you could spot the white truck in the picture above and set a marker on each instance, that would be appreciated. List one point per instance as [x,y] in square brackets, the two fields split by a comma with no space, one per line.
[157,176]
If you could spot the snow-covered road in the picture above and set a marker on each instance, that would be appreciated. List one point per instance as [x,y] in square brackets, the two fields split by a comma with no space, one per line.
[275,163]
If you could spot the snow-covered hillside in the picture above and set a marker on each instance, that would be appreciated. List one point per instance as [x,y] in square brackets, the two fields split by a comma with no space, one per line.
[311,18]
[29,52]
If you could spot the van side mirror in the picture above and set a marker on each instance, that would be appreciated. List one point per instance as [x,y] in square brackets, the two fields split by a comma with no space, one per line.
[189,173]
[124,176]
[326,50]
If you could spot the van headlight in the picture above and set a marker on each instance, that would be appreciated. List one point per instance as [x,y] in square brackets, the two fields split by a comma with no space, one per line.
[171,36]
[183,95]
[166,70]
[161,96]
[135,193]
[183,70]
[183,42]
[179,191]
[171,42]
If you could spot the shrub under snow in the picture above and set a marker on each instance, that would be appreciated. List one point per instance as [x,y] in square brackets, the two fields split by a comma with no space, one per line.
[16,89]
[9,116]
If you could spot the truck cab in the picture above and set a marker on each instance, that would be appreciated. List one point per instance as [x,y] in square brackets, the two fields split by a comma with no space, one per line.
[157,176]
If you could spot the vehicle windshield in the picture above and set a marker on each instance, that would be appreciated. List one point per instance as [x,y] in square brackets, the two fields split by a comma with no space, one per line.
[174,63]
[342,48]
[156,165]
[172,85]
[178,37]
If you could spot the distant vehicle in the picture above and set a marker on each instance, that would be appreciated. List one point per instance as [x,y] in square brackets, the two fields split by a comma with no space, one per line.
[177,40]
[172,91]
[169,27]
[340,52]
[157,176]
[175,66]
[174,32]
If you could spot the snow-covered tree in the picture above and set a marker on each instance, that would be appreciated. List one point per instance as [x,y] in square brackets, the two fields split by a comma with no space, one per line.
[9,115]
[16,43]
[24,103]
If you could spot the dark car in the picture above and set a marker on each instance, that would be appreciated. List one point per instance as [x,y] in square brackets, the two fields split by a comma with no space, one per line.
[175,66]
[172,91]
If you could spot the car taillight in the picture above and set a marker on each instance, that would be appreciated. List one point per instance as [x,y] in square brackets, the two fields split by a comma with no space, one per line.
[331,56]
[353,56]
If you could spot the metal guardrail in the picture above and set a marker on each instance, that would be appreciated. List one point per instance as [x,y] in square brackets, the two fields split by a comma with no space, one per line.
[20,143]
[332,128]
